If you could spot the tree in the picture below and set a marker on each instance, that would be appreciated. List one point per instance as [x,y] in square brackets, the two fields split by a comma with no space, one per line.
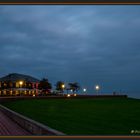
[45,86]
[60,86]
[74,86]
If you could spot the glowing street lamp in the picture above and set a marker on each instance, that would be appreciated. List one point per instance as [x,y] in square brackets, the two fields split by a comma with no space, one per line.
[84,90]
[97,88]
[63,86]
[20,85]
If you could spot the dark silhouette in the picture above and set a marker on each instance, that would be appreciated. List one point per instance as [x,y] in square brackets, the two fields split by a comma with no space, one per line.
[59,86]
[74,87]
[114,93]
[45,86]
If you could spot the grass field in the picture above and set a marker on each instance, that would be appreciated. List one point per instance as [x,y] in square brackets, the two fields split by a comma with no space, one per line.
[83,116]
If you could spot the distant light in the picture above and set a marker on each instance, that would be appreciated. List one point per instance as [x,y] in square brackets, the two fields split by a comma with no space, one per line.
[63,86]
[34,95]
[84,89]
[97,87]
[71,90]
[75,94]
[68,95]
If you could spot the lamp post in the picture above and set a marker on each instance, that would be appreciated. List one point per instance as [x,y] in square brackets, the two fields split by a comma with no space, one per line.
[84,90]
[20,85]
[63,87]
[97,88]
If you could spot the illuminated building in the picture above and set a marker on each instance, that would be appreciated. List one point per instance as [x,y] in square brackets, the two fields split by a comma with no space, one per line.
[16,84]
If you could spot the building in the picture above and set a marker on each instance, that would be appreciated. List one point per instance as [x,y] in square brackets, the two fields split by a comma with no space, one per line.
[18,84]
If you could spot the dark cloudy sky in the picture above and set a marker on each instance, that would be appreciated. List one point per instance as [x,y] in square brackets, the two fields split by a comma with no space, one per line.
[89,44]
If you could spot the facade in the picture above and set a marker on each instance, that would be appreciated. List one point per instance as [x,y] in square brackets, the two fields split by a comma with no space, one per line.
[18,85]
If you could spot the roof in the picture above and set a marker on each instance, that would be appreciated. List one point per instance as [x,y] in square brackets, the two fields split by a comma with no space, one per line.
[17,77]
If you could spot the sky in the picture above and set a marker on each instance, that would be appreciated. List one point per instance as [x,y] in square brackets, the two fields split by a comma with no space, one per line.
[88,44]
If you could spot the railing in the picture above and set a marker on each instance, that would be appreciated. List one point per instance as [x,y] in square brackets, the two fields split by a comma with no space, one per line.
[28,124]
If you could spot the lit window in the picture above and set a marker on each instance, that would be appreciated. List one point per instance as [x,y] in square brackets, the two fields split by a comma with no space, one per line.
[17,84]
[4,92]
[16,92]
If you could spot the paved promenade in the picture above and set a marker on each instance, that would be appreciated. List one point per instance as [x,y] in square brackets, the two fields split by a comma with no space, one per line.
[10,128]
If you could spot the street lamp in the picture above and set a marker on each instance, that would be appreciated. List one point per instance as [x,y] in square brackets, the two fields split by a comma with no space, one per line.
[97,88]
[84,90]
[63,86]
[20,83]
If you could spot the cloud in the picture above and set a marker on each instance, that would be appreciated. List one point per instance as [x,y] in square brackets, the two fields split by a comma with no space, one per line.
[89,44]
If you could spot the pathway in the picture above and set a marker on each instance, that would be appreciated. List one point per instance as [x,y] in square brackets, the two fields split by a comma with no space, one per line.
[9,127]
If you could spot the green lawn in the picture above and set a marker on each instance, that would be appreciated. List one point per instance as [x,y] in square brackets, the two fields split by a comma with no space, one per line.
[83,116]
